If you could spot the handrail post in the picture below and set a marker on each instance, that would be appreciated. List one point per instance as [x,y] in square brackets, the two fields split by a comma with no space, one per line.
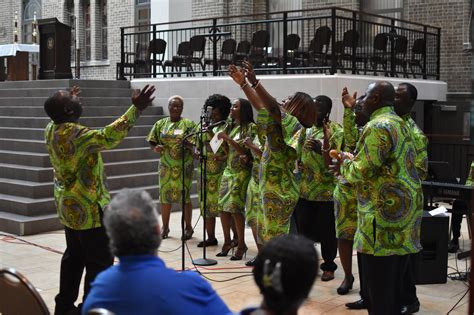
[438,54]
[285,44]
[393,33]
[425,30]
[333,40]
[122,53]
[214,47]
[153,49]
[354,43]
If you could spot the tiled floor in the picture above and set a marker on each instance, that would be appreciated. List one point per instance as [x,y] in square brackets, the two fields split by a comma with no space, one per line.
[41,266]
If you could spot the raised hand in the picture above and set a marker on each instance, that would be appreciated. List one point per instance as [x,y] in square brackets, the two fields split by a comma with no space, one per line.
[75,91]
[347,100]
[314,145]
[158,148]
[237,75]
[142,99]
[223,135]
[249,73]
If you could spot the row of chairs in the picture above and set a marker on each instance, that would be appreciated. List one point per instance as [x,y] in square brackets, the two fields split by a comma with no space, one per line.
[318,54]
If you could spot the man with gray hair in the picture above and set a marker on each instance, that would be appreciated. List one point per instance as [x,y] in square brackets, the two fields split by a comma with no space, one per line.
[141,283]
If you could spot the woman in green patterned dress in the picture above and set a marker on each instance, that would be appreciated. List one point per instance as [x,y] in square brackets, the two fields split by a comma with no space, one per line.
[236,176]
[253,205]
[278,185]
[166,139]
[215,164]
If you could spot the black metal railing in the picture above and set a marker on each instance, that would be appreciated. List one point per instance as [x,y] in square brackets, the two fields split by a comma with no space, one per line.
[327,40]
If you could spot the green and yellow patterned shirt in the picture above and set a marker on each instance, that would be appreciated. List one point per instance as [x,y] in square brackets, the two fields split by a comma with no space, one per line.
[350,130]
[79,179]
[317,182]
[421,146]
[470,176]
[384,172]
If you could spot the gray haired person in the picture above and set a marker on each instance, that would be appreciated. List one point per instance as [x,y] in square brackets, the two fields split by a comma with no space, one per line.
[141,283]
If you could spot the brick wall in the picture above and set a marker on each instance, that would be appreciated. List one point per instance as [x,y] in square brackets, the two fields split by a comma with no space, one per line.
[452,16]
[6,21]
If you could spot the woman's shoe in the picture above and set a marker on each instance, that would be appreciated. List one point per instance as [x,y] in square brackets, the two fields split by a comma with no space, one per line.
[188,233]
[208,242]
[345,286]
[251,262]
[239,253]
[225,250]
[234,243]
[164,233]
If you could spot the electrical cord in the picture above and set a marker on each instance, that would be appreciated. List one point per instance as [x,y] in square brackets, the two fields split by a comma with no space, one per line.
[179,247]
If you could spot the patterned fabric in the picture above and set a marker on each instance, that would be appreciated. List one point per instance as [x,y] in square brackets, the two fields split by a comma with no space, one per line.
[215,165]
[317,182]
[278,186]
[387,182]
[79,179]
[421,146]
[236,177]
[253,204]
[470,176]
[345,201]
[170,134]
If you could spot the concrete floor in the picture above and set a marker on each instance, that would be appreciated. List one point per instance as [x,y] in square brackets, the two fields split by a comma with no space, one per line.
[41,266]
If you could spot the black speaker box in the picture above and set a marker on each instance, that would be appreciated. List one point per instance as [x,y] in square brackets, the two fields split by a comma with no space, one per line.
[431,264]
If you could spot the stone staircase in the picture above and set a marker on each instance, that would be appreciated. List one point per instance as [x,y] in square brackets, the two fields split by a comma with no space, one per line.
[26,176]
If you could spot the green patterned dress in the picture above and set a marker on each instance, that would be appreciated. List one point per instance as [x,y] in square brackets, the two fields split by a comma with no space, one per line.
[236,177]
[345,200]
[79,178]
[215,166]
[317,182]
[253,205]
[385,174]
[278,185]
[170,134]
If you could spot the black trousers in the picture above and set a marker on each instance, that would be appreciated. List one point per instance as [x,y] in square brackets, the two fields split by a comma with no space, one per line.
[383,280]
[85,249]
[315,220]
[363,288]
[409,288]
[459,209]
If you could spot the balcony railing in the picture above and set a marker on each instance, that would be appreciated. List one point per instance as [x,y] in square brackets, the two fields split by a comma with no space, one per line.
[327,40]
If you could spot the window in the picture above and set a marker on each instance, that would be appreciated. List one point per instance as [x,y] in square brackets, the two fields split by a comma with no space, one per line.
[30,7]
[103,11]
[87,29]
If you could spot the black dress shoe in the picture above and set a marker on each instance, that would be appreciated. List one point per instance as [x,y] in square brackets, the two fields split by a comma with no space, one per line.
[251,262]
[453,246]
[209,242]
[357,305]
[410,309]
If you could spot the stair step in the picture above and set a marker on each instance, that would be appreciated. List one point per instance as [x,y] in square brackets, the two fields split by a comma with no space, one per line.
[86,101]
[92,122]
[85,92]
[66,83]
[88,111]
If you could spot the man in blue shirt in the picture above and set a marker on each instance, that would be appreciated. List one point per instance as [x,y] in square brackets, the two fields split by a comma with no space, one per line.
[141,283]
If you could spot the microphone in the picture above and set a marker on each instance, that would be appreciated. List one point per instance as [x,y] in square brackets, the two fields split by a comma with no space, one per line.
[216,124]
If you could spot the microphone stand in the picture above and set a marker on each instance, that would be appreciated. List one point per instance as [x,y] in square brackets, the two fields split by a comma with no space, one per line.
[204,261]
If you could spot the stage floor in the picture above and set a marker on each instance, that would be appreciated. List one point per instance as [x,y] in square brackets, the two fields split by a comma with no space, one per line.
[41,266]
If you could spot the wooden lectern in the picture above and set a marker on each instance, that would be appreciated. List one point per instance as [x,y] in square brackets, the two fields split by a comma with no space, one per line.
[55,50]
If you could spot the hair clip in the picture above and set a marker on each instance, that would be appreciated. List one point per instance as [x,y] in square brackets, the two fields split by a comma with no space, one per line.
[272,279]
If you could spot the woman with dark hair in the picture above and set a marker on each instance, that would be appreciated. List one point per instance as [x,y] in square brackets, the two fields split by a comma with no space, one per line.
[219,105]
[234,182]
[285,271]
[278,123]
[166,138]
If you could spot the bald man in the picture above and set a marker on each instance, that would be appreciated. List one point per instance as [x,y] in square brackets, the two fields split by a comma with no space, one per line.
[384,172]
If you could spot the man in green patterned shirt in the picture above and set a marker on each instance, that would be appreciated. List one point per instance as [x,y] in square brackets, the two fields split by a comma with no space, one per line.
[79,189]
[314,212]
[405,98]
[387,181]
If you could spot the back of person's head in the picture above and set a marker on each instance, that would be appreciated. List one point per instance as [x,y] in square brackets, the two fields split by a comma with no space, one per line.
[285,271]
[221,102]
[325,102]
[62,107]
[131,222]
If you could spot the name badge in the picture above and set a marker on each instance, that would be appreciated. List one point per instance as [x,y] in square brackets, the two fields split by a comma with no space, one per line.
[178,132]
